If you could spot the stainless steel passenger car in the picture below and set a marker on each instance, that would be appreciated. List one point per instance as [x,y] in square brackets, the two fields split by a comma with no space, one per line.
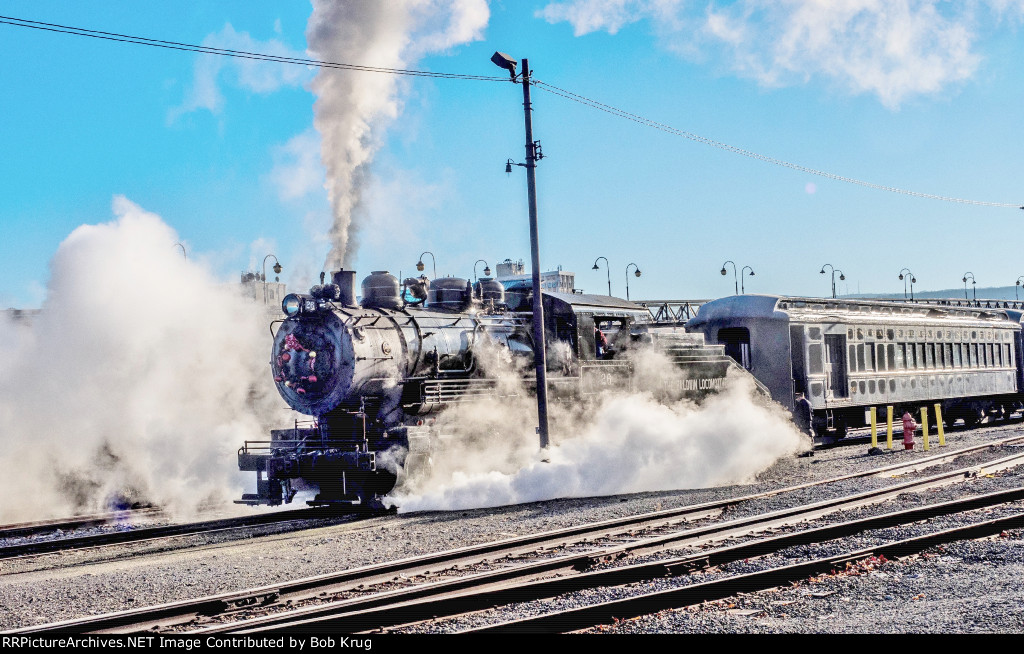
[845,356]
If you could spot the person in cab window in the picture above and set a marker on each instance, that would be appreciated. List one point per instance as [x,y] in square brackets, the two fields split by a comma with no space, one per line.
[601,342]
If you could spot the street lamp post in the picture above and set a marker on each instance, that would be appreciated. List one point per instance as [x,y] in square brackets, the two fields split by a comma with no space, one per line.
[974,285]
[606,270]
[1015,287]
[743,289]
[843,277]
[533,154]
[420,266]
[637,273]
[735,279]
[487,269]
[913,279]
[277,271]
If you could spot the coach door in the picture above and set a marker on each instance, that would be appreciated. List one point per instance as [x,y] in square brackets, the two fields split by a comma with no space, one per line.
[835,366]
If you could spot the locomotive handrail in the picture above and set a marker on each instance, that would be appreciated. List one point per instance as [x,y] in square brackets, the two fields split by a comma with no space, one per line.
[248,445]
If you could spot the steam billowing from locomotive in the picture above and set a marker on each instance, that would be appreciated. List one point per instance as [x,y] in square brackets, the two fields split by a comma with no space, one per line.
[353,108]
[647,439]
[427,380]
[135,380]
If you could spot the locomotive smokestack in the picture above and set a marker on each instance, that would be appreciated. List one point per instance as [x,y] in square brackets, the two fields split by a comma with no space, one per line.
[346,281]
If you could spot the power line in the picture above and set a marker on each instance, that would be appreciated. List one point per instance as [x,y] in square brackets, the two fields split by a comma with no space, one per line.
[589,102]
[240,54]
[569,95]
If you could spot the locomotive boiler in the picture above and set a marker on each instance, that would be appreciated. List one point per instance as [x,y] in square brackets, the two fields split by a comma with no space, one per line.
[370,374]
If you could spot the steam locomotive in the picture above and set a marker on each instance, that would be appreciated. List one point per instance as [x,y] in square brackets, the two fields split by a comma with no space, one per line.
[370,375]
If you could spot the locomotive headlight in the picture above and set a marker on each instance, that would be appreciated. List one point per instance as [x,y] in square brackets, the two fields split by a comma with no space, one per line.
[291,304]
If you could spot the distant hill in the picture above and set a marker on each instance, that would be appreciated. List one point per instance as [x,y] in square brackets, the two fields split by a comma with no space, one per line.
[983,293]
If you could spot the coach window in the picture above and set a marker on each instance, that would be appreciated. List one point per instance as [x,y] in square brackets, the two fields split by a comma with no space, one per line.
[861,363]
[974,355]
[814,359]
[930,354]
[940,356]
[920,354]
[956,355]
[984,356]
[870,359]
[891,358]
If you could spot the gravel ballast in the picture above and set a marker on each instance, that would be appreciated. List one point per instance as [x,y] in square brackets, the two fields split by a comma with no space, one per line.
[970,586]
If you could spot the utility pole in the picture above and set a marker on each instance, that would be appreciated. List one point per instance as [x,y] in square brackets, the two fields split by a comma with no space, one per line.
[533,154]
[539,349]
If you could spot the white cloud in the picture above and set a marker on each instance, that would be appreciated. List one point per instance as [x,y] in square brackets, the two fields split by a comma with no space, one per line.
[297,169]
[894,49]
[588,16]
[257,76]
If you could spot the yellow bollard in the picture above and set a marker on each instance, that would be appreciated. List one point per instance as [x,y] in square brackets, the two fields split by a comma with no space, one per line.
[924,426]
[888,426]
[874,427]
[938,423]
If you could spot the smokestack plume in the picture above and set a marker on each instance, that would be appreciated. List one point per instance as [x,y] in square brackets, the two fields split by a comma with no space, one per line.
[353,109]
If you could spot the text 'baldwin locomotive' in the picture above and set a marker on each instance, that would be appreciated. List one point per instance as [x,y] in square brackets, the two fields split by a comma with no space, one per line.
[370,374]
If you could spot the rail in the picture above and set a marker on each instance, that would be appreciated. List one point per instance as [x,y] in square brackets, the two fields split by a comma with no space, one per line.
[456,596]
[180,612]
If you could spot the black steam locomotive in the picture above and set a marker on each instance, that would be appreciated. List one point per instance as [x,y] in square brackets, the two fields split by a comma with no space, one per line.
[370,374]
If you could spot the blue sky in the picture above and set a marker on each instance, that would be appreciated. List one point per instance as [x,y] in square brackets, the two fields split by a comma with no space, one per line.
[925,96]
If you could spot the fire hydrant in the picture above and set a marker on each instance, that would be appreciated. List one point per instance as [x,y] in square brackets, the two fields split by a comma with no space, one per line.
[909,426]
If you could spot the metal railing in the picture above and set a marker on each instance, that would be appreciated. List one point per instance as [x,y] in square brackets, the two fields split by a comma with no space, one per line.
[671,311]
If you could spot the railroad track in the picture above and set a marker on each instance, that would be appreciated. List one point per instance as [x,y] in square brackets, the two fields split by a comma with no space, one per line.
[359,581]
[22,529]
[143,534]
[648,603]
[494,588]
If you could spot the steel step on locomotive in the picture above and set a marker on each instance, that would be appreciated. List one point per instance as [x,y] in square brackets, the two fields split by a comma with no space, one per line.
[371,374]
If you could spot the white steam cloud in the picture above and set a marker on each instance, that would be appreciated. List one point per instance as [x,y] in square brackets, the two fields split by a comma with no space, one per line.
[625,442]
[353,108]
[137,380]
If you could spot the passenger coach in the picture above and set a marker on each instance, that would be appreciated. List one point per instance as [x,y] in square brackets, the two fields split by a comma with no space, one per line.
[845,356]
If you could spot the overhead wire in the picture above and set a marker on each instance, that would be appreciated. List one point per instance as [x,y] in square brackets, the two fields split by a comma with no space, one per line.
[550,88]
[240,54]
[569,95]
